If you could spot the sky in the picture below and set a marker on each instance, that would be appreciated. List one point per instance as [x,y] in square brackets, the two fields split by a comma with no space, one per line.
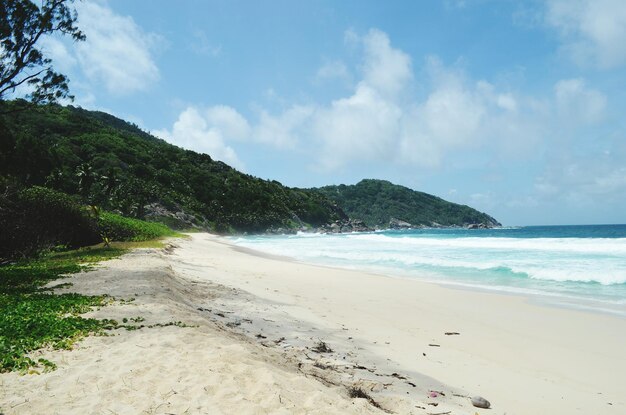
[516,108]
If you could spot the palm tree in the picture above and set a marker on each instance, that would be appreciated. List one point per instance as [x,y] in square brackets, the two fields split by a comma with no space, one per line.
[86,178]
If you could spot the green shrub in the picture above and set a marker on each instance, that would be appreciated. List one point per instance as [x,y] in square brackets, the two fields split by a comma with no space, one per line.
[37,218]
[119,228]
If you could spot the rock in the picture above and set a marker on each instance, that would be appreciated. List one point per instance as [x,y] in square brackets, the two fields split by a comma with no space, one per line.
[480,226]
[281,231]
[480,402]
[174,216]
[399,224]
[345,226]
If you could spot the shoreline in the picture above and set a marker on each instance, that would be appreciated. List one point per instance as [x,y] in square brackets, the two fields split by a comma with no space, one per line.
[395,339]
[568,338]
[534,292]
[537,298]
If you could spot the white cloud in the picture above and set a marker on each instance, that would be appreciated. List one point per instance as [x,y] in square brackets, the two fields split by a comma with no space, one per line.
[386,69]
[282,131]
[117,52]
[575,101]
[364,126]
[458,114]
[380,122]
[194,130]
[593,31]
[62,58]
[228,122]
[361,127]
[507,102]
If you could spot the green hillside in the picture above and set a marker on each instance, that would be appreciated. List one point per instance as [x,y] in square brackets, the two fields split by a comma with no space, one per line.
[377,202]
[108,162]
[117,166]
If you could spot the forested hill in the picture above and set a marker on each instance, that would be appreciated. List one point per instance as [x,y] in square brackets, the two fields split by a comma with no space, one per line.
[110,163]
[381,204]
[119,167]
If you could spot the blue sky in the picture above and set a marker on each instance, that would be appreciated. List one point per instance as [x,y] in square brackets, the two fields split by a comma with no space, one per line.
[515,108]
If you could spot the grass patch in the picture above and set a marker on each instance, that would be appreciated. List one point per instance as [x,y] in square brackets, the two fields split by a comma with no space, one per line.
[31,317]
[120,228]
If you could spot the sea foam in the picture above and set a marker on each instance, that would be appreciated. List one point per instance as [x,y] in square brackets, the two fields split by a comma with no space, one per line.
[513,260]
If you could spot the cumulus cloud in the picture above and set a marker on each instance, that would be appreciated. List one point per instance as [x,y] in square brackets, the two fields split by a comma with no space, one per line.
[593,31]
[364,125]
[228,122]
[379,121]
[283,130]
[207,131]
[117,52]
[386,69]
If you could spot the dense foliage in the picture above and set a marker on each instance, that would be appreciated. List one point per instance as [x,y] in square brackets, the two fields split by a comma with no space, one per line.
[115,165]
[38,218]
[119,228]
[118,167]
[376,202]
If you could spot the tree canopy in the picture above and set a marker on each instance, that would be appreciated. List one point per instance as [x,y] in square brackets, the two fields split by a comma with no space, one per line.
[108,162]
[113,164]
[377,202]
[23,24]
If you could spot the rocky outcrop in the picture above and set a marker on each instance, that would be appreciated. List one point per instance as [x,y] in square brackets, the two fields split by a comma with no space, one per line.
[481,225]
[175,218]
[399,224]
[345,226]
[283,231]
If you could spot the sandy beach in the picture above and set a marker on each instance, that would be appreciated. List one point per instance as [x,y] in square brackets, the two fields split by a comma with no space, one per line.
[261,334]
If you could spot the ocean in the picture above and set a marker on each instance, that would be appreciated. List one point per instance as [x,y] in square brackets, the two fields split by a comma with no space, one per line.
[572,266]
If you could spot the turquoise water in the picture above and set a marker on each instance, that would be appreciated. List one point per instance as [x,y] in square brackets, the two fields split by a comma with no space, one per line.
[574,266]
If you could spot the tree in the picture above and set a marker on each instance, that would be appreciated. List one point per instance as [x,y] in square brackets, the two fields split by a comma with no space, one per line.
[86,179]
[22,25]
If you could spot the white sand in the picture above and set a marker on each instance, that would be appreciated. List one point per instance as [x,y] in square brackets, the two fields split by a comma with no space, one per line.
[258,319]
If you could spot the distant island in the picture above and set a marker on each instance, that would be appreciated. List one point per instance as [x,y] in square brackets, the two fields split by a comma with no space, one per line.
[108,162]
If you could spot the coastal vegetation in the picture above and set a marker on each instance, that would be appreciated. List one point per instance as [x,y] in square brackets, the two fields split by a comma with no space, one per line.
[72,178]
[104,161]
[35,220]
[33,317]
[382,204]
[113,164]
